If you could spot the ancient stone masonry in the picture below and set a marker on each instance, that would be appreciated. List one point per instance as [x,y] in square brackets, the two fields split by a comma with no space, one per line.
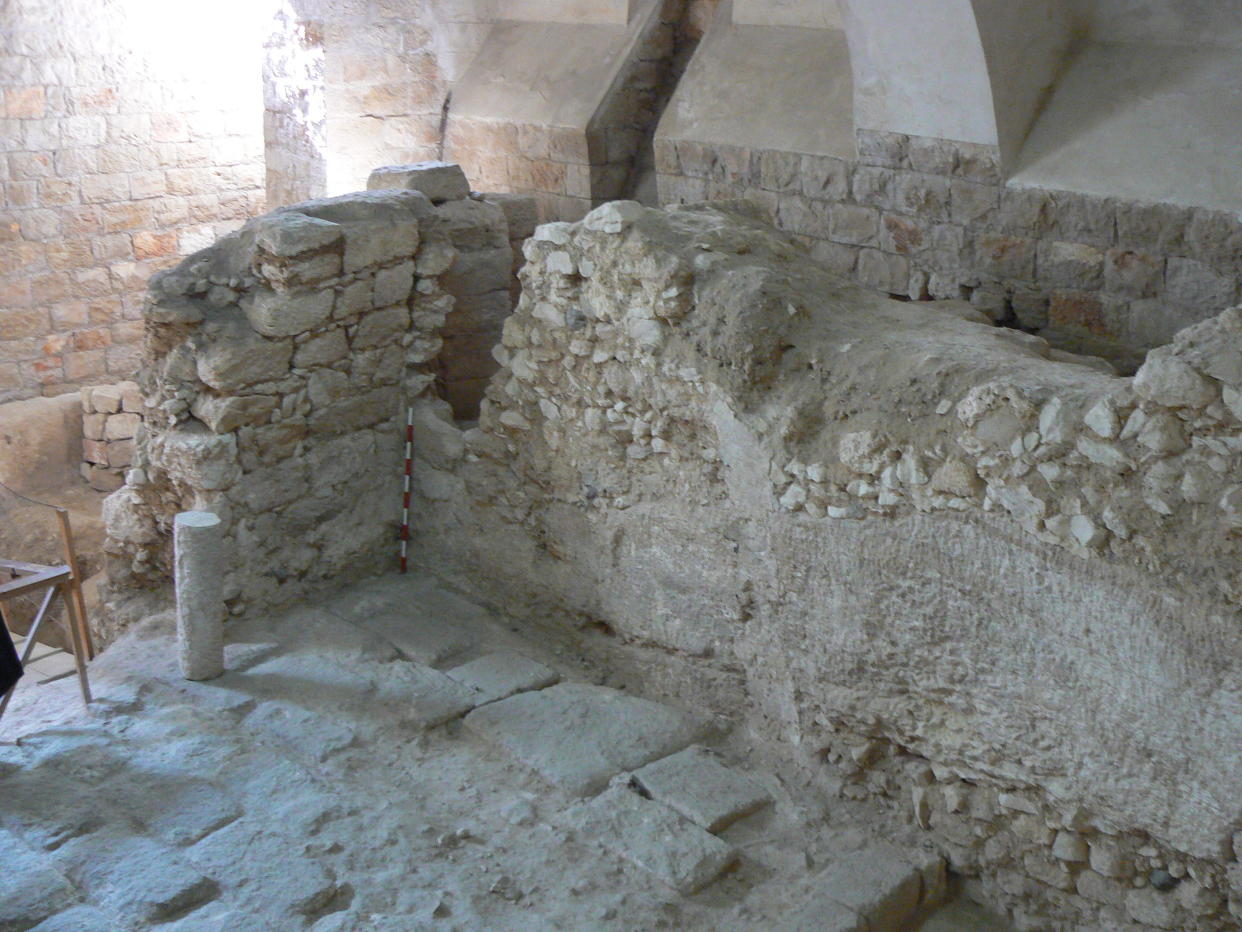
[486,232]
[891,531]
[111,418]
[277,365]
[932,218]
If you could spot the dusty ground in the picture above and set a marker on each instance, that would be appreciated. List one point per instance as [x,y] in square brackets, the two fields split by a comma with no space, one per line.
[31,533]
[299,791]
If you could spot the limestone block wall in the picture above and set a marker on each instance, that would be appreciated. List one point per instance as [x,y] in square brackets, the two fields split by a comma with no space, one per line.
[929,218]
[990,581]
[486,231]
[122,149]
[294,110]
[276,367]
[111,421]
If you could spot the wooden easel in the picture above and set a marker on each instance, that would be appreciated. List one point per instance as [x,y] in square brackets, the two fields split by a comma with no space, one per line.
[64,581]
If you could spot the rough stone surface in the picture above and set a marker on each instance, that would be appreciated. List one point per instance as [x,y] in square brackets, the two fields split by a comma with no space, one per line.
[579,737]
[678,852]
[932,218]
[499,676]
[657,427]
[440,181]
[696,784]
[222,805]
[277,404]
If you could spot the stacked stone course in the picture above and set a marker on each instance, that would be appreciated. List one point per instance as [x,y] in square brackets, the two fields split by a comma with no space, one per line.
[277,367]
[487,232]
[111,423]
[931,218]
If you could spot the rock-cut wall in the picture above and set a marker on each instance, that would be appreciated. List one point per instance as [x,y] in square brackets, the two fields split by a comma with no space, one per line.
[277,366]
[993,581]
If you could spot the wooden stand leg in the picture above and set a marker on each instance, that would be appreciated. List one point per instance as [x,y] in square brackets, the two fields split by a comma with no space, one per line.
[73,623]
[71,560]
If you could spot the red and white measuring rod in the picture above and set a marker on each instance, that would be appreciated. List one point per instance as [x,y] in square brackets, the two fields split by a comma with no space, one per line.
[405,498]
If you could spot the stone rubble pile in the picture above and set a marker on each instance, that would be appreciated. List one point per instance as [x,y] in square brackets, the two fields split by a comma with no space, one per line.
[111,421]
[703,439]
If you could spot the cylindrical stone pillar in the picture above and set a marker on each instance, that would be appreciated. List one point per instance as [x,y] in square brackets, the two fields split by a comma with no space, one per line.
[198,567]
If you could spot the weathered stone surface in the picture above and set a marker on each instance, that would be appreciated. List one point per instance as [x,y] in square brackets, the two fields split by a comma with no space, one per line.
[380,328]
[521,213]
[428,697]
[440,181]
[501,675]
[139,880]
[696,784]
[225,414]
[392,285]
[274,314]
[676,851]
[31,889]
[579,737]
[417,637]
[1153,908]
[240,357]
[292,234]
[1168,380]
[614,216]
[879,886]
[78,919]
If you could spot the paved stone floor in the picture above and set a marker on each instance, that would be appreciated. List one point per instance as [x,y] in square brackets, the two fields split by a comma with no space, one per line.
[395,758]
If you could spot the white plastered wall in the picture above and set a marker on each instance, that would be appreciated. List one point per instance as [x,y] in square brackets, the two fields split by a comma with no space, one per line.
[920,69]
[768,86]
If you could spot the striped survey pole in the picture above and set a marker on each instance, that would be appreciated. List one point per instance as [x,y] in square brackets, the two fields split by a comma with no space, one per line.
[405,497]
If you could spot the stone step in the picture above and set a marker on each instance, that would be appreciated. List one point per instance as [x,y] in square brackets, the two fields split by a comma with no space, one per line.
[696,784]
[578,737]
[651,835]
[501,675]
[31,888]
[881,888]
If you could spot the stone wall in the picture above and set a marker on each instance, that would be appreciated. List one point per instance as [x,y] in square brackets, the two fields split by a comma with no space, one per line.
[111,421]
[584,144]
[351,85]
[928,218]
[294,111]
[487,232]
[118,155]
[991,581]
[276,368]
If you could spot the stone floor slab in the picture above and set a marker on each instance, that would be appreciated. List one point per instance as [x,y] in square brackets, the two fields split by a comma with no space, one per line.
[431,640]
[695,783]
[424,697]
[136,878]
[578,737]
[501,675]
[878,884]
[31,889]
[654,837]
[78,919]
